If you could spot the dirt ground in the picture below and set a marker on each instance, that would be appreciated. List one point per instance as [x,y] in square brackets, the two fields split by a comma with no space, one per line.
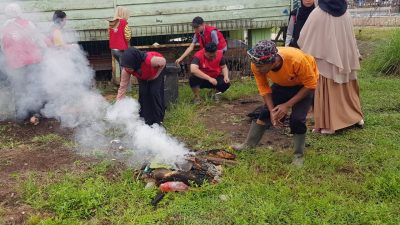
[25,157]
[231,118]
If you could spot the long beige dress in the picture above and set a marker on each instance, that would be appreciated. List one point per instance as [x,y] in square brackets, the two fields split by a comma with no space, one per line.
[332,42]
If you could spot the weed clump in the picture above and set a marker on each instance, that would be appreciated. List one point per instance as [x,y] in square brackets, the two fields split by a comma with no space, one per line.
[386,57]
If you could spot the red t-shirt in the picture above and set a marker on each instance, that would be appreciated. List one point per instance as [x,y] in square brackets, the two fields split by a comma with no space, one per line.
[19,48]
[210,67]
[147,72]
[117,36]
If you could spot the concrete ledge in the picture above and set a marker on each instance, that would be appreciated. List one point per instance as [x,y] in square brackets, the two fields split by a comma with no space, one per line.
[388,21]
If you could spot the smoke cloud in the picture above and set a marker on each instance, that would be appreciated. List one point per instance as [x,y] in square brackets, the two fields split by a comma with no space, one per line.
[61,87]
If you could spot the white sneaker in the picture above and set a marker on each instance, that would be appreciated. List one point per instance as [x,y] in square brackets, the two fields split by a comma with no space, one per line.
[217,96]
[360,124]
[327,131]
[316,131]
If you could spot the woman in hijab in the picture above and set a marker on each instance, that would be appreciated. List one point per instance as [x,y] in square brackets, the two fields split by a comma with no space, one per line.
[297,20]
[328,36]
[147,67]
[119,32]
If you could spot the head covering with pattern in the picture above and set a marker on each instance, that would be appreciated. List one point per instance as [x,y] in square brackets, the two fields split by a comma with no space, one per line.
[264,52]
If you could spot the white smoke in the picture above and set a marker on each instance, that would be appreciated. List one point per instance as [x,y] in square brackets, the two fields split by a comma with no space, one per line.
[63,82]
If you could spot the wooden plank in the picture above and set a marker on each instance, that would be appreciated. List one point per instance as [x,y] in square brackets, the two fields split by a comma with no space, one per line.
[222,25]
[84,14]
[159,21]
[201,7]
[219,161]
[88,24]
[211,16]
[84,35]
[52,5]
[157,17]
[163,46]
[258,35]
[141,2]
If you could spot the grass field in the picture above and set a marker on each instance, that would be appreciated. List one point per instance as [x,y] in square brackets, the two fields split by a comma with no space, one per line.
[352,177]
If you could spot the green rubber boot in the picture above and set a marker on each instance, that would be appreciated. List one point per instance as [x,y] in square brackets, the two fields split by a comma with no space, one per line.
[253,137]
[299,147]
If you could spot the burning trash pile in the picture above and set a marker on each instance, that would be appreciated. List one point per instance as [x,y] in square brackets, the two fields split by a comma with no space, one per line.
[198,168]
[194,169]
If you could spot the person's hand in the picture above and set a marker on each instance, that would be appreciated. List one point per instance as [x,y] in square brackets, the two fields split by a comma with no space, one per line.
[274,121]
[213,81]
[226,79]
[178,61]
[280,111]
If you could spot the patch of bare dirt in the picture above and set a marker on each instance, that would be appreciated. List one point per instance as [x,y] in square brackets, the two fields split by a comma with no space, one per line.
[27,156]
[231,117]
[24,132]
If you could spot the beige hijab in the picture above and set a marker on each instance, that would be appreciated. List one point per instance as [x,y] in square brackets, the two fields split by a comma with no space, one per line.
[332,42]
[120,13]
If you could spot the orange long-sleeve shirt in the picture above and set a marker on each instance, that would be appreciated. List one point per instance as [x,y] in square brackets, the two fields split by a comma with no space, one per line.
[298,69]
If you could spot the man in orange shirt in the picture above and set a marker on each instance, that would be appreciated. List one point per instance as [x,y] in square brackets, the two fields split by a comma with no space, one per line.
[294,77]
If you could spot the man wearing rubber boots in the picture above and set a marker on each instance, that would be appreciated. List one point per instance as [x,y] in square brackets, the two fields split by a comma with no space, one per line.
[294,75]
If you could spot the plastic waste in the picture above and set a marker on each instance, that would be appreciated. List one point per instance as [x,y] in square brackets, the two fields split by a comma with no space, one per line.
[173,186]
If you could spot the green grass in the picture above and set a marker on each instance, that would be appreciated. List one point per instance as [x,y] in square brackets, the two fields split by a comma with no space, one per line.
[386,57]
[2,213]
[184,119]
[352,177]
[48,138]
[241,88]
[373,34]
[7,142]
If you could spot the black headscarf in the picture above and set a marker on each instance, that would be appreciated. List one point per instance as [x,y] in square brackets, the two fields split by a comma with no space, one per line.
[301,17]
[333,7]
[133,58]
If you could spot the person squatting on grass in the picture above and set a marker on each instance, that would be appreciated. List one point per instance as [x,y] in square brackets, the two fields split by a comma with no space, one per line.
[204,34]
[328,36]
[209,70]
[294,75]
[148,68]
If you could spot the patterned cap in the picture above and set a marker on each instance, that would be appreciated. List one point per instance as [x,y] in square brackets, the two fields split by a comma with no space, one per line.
[264,52]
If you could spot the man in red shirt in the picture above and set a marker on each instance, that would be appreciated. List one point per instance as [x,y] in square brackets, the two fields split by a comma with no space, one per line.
[204,34]
[209,71]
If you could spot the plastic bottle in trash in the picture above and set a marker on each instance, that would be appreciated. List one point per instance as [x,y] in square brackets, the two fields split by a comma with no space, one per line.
[172,186]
